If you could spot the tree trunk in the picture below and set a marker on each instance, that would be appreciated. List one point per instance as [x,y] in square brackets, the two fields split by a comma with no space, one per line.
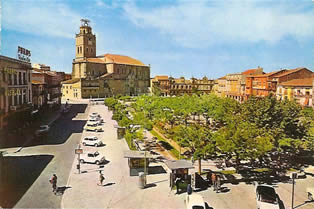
[199,166]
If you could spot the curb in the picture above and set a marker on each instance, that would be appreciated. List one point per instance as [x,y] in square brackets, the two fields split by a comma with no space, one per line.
[72,168]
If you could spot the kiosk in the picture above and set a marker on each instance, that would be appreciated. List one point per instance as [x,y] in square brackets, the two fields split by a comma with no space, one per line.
[179,169]
[138,161]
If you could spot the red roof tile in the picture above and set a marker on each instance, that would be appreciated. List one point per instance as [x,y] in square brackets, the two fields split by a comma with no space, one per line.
[289,72]
[298,82]
[121,59]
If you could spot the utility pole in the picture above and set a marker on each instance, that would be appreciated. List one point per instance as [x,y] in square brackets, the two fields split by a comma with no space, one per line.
[294,175]
[79,151]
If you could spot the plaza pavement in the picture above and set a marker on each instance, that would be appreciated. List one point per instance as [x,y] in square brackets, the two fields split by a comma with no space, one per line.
[122,191]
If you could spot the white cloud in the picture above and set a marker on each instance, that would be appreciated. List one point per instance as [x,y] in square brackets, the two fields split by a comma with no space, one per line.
[41,18]
[199,24]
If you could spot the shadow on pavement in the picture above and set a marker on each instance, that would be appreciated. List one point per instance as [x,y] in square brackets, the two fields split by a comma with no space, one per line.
[156,170]
[207,206]
[150,185]
[62,129]
[109,184]
[17,174]
[59,132]
[61,190]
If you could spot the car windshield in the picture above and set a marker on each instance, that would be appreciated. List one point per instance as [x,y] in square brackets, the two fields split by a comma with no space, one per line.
[96,153]
[43,127]
[197,207]
[267,194]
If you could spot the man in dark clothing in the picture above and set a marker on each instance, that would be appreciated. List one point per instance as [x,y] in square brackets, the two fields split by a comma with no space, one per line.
[101,178]
[53,181]
[189,189]
[177,182]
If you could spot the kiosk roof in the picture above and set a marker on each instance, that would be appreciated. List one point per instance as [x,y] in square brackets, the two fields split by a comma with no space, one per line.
[178,164]
[136,154]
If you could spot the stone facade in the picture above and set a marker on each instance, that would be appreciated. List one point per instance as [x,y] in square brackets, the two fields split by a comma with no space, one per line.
[168,86]
[105,75]
[15,88]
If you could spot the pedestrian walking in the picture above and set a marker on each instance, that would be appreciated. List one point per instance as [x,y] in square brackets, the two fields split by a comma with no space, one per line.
[101,178]
[218,183]
[177,182]
[189,189]
[53,181]
[192,159]
[208,178]
[214,181]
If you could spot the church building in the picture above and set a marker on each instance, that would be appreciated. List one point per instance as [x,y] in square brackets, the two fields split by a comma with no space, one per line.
[104,75]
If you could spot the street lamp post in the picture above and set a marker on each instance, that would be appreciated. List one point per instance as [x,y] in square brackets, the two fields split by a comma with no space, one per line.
[79,151]
[294,175]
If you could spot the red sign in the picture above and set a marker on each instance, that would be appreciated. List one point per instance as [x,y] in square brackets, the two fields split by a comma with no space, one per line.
[78,151]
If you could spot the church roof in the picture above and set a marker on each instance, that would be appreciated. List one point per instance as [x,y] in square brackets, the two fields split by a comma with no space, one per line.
[73,80]
[97,60]
[121,59]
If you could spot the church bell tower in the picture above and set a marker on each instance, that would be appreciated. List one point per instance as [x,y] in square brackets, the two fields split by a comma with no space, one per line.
[85,41]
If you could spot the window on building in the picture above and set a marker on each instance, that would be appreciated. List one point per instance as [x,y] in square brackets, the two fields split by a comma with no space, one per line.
[70,87]
[14,79]
[10,101]
[20,78]
[86,49]
[24,96]
[24,78]
[3,76]
[15,100]
[29,95]
[29,77]
[78,50]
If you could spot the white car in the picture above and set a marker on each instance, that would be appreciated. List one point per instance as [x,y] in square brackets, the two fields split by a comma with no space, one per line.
[92,157]
[42,130]
[94,120]
[92,140]
[266,197]
[94,114]
[194,201]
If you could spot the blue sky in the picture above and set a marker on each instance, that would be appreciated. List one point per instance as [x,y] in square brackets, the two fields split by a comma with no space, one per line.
[178,38]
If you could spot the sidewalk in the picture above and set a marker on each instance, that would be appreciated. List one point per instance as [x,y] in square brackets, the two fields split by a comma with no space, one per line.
[120,190]
[19,140]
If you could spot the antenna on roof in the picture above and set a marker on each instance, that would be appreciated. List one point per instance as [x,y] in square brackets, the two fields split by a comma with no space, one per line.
[85,22]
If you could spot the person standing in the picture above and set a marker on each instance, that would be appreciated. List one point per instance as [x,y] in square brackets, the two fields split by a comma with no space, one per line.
[214,181]
[53,181]
[177,182]
[218,183]
[189,189]
[101,178]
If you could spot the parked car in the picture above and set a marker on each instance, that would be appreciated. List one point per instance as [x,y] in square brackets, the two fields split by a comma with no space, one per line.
[92,157]
[94,121]
[93,128]
[94,114]
[266,197]
[42,130]
[194,201]
[92,140]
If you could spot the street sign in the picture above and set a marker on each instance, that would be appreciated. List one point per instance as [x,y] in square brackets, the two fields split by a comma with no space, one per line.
[78,151]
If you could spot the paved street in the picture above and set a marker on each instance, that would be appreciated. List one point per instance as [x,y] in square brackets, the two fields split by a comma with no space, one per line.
[34,164]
